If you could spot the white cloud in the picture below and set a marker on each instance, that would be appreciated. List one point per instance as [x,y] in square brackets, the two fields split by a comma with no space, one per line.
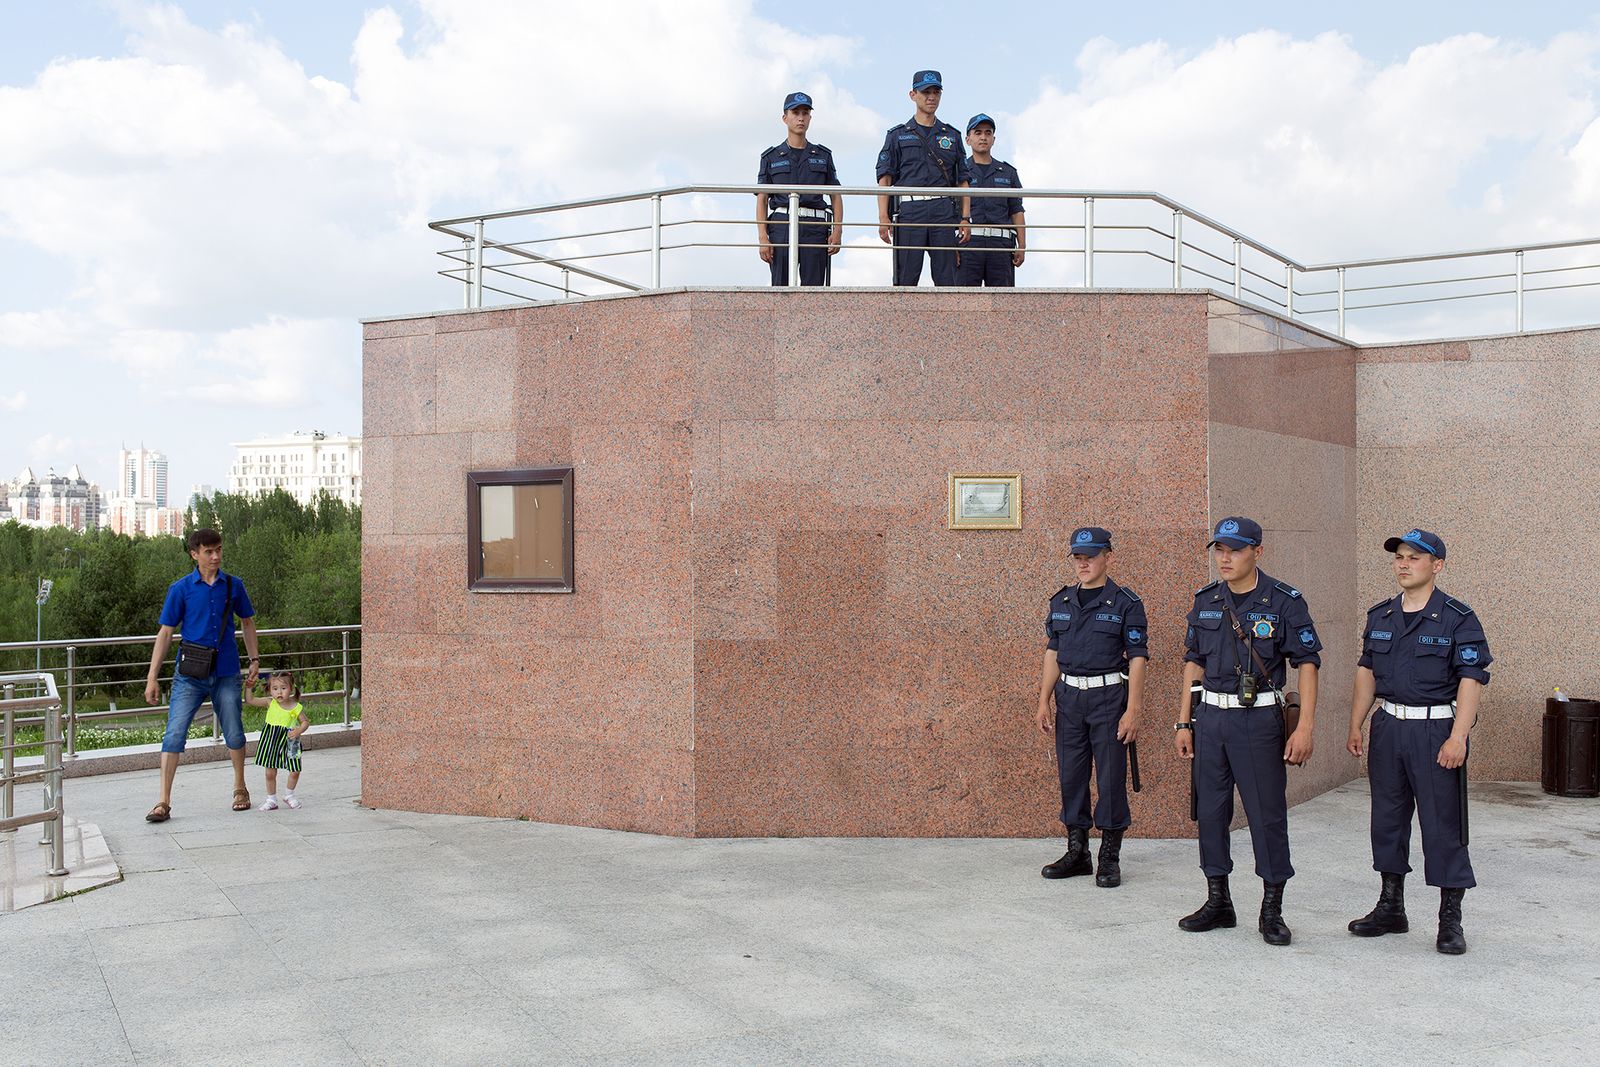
[14,401]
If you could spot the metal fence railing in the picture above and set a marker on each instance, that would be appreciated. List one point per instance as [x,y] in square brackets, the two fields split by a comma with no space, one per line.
[111,671]
[37,693]
[706,235]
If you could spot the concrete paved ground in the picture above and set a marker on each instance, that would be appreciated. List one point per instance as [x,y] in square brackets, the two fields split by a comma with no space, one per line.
[337,935]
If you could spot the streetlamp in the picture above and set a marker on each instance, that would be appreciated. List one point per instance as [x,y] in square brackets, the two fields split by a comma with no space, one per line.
[45,585]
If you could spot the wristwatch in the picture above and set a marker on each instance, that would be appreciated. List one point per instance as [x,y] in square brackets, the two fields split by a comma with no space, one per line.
[1182,726]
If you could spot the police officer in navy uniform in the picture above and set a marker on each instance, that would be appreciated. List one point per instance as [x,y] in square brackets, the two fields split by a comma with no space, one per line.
[798,161]
[924,152]
[1424,662]
[1094,666]
[1237,733]
[999,237]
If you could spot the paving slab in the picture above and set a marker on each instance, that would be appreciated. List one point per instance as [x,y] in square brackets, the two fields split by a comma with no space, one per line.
[337,934]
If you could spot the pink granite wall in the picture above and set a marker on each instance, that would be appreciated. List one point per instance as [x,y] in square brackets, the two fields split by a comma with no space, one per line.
[1282,438]
[1491,444]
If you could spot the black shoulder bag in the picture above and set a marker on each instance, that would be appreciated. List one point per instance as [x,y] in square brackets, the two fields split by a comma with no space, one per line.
[199,661]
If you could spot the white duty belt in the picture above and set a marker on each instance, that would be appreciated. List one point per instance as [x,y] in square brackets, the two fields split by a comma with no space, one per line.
[911,197]
[993,231]
[1419,711]
[805,213]
[1091,681]
[1264,699]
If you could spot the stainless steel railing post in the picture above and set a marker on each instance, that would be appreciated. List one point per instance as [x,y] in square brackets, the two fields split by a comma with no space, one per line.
[344,673]
[1088,242]
[1238,267]
[8,737]
[1177,250]
[1288,289]
[1519,292]
[794,239]
[72,702]
[466,274]
[55,829]
[655,241]
[477,264]
[1341,301]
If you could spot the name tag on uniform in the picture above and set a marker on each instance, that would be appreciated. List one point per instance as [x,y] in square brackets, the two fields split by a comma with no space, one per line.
[1107,617]
[1381,635]
[1429,639]
[778,164]
[1060,616]
[1211,614]
[1002,181]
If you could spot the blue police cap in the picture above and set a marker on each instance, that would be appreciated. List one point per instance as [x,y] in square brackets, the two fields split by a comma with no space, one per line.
[927,79]
[796,100]
[975,120]
[1236,532]
[1422,540]
[1090,541]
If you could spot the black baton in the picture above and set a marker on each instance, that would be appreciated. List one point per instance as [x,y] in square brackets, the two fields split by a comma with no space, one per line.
[1194,761]
[1133,763]
[1461,785]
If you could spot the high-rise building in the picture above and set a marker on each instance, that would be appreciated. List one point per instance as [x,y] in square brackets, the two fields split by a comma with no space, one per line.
[301,464]
[142,475]
[55,500]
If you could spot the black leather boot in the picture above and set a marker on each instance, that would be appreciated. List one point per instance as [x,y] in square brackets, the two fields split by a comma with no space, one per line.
[1274,931]
[1110,859]
[1216,911]
[1389,917]
[1076,861]
[1452,941]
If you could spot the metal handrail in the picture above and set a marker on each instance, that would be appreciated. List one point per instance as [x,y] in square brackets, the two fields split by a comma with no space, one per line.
[1208,238]
[72,686]
[53,814]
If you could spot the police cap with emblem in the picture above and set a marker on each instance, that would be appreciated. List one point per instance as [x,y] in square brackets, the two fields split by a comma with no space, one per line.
[979,119]
[927,79]
[1236,532]
[1421,540]
[794,100]
[1090,541]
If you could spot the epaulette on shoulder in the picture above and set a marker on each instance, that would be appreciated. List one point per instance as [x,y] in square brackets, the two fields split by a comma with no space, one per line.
[1291,590]
[773,149]
[1452,602]
[821,148]
[1380,604]
[1205,588]
[1063,589]
[1131,594]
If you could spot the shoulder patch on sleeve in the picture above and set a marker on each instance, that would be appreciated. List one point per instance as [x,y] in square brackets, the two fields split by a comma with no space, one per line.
[1452,602]
[1291,590]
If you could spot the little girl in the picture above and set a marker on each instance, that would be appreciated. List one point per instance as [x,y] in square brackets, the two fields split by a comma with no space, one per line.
[279,746]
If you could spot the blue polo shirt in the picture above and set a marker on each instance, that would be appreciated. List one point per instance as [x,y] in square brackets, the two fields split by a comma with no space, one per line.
[195,610]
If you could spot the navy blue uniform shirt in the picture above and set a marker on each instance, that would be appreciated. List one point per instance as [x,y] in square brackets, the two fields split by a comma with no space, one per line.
[1424,662]
[994,210]
[1101,637]
[1273,615]
[783,165]
[195,610]
[923,156]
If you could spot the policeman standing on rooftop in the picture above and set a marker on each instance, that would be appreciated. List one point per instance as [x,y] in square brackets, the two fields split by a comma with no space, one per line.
[999,238]
[1424,660]
[924,152]
[1242,630]
[1097,646]
[797,161]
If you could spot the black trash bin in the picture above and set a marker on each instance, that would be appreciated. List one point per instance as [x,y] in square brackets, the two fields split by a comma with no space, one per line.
[1571,748]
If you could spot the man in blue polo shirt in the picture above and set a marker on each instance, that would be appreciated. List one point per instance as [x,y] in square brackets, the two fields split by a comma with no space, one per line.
[203,603]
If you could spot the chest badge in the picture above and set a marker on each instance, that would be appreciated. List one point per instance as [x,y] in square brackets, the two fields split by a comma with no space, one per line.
[945,142]
[1262,628]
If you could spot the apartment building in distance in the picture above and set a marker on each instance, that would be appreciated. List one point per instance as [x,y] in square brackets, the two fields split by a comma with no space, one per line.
[140,504]
[55,500]
[301,464]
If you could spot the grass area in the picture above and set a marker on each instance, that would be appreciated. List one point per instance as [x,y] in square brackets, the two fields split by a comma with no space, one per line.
[149,732]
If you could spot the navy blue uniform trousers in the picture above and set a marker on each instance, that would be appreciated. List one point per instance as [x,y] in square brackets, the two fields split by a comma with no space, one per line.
[916,231]
[1244,747]
[987,261]
[1086,725]
[813,254]
[1403,767]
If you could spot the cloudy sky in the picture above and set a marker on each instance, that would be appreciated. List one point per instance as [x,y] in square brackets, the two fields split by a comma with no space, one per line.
[199,200]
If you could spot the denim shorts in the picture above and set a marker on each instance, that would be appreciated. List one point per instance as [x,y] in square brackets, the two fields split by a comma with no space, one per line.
[187,696]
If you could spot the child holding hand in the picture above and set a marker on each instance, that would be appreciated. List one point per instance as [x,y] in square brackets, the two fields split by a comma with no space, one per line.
[279,746]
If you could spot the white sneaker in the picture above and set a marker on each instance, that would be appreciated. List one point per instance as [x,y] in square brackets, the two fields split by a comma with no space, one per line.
[269,804]
[291,800]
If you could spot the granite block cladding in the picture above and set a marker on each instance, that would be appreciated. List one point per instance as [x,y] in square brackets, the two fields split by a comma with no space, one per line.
[772,631]
[1492,441]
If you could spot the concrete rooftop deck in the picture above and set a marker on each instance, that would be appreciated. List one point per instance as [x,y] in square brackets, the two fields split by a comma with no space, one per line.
[339,935]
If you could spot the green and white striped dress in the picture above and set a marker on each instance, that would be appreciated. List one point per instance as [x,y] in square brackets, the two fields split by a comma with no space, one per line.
[273,750]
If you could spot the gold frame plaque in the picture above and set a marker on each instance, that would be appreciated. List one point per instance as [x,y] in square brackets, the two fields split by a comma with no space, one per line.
[984,502]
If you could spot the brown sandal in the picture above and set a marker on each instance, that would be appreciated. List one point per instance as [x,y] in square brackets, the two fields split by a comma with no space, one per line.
[159,813]
[241,800]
